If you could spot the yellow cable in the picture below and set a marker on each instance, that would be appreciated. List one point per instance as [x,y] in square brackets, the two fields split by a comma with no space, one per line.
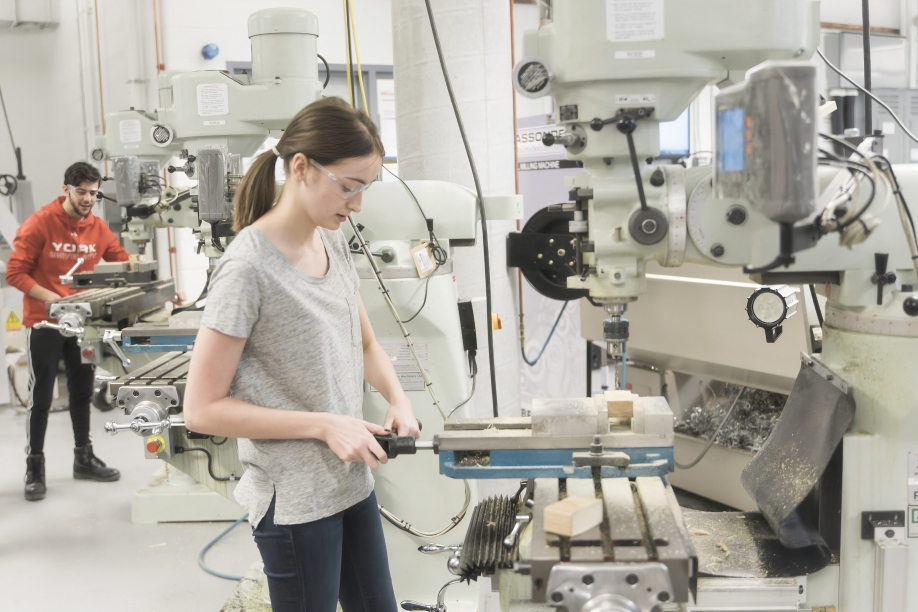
[347,53]
[363,93]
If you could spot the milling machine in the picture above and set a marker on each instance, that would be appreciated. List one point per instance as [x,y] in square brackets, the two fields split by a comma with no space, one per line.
[834,482]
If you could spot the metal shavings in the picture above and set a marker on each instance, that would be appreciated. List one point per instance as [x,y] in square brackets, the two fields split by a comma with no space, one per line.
[754,418]
[699,533]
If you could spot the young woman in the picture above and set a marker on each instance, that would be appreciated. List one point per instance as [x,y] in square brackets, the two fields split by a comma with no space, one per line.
[279,362]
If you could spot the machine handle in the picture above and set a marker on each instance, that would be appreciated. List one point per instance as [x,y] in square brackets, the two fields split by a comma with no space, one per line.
[139,425]
[439,607]
[432,549]
[415,605]
[65,330]
[521,519]
[111,337]
[67,279]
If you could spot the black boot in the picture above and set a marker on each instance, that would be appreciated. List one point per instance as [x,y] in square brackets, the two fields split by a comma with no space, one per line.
[35,478]
[86,466]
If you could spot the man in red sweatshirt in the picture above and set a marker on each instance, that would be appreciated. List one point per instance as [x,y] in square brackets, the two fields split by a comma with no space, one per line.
[47,245]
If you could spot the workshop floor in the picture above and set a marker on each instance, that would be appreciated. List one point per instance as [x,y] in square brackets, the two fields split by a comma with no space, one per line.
[78,550]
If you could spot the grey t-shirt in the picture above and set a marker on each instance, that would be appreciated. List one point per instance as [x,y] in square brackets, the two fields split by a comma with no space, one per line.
[303,352]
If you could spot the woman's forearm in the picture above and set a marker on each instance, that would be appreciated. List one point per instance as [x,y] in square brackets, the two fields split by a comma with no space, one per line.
[379,372]
[234,418]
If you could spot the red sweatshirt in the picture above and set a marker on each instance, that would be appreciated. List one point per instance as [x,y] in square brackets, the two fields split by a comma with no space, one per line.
[47,245]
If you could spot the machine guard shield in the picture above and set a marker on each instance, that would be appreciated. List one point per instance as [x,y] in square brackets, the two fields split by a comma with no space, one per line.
[817,414]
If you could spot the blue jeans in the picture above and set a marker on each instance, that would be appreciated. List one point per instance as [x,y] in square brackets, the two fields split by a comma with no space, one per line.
[311,566]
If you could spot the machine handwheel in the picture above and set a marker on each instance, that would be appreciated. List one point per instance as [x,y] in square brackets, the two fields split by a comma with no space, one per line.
[550,283]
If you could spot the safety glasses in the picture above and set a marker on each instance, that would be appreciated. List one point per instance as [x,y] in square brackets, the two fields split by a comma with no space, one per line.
[345,192]
[94,193]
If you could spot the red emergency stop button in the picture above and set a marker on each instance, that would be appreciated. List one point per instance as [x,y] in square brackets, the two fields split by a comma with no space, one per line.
[89,353]
[156,444]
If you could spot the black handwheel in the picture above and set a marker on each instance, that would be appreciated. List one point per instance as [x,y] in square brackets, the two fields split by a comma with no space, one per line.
[101,398]
[550,283]
[8,184]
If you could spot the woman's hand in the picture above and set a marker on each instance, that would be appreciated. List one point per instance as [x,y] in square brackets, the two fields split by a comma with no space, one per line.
[352,439]
[400,418]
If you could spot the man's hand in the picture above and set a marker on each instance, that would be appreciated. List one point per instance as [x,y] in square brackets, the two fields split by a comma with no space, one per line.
[400,418]
[352,439]
[45,295]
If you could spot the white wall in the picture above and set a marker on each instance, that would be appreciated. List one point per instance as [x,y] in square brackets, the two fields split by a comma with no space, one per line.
[40,78]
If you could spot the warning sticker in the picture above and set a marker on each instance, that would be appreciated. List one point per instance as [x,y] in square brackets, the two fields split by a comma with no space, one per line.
[405,366]
[129,130]
[213,99]
[13,323]
[634,20]
[401,357]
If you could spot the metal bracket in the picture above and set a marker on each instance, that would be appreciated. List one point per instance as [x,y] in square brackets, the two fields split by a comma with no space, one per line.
[82,309]
[128,396]
[641,586]
[880,520]
[825,373]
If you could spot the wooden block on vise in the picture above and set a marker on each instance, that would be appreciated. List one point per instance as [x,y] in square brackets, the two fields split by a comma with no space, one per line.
[620,403]
[572,516]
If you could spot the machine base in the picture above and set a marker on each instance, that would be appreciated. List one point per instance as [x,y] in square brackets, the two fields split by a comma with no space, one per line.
[171,496]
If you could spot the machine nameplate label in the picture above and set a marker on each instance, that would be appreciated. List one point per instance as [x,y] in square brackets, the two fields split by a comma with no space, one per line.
[213,99]
[129,130]
[569,112]
[634,20]
[635,99]
[636,54]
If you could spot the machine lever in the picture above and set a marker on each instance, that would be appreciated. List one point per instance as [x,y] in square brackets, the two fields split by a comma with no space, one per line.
[139,425]
[440,605]
[67,279]
[65,330]
[111,337]
[521,519]
[881,277]
[432,549]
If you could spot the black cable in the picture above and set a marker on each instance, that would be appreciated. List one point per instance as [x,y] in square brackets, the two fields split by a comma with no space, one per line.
[219,443]
[439,253]
[9,128]
[327,71]
[868,76]
[210,463]
[481,210]
[203,295]
[897,191]
[873,192]
[816,304]
[547,340]
[426,286]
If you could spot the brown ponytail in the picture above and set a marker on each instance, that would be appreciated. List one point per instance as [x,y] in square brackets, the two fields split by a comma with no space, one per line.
[326,131]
